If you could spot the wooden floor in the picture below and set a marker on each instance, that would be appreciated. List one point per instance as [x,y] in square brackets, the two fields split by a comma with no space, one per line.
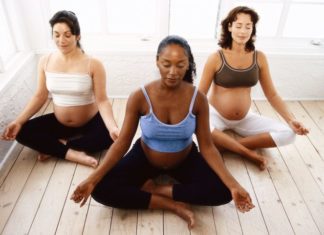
[34,196]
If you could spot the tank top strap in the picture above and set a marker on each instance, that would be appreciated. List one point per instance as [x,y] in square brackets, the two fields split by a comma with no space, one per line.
[89,66]
[147,98]
[222,56]
[255,57]
[46,63]
[193,99]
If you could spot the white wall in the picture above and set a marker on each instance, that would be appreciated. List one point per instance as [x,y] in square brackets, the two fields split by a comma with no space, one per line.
[296,77]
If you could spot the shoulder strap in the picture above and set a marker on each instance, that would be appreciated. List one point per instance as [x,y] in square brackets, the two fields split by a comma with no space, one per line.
[193,99]
[147,97]
[47,59]
[222,56]
[89,66]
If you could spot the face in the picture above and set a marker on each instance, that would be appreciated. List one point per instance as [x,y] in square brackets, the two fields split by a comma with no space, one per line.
[241,29]
[63,38]
[173,64]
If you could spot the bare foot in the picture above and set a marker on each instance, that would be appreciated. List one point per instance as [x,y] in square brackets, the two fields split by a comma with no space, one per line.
[42,157]
[184,211]
[263,163]
[149,186]
[258,159]
[63,141]
[81,157]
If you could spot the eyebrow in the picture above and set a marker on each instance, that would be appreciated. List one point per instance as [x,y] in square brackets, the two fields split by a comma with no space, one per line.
[242,23]
[69,31]
[180,61]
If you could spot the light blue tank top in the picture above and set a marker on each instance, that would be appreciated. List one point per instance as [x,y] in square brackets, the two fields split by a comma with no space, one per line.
[168,138]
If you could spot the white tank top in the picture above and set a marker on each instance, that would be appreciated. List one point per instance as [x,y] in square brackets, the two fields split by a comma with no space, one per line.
[70,89]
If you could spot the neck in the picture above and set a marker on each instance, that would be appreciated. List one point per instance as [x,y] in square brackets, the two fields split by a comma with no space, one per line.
[238,48]
[71,54]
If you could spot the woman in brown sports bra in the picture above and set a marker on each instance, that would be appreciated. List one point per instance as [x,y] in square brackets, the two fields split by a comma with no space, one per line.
[230,73]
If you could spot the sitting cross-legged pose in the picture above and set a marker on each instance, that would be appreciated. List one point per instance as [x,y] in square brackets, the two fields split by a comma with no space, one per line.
[229,74]
[82,120]
[169,110]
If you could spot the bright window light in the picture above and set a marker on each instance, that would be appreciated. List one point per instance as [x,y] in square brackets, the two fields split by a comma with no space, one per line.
[194,19]
[132,16]
[88,12]
[7,46]
[299,24]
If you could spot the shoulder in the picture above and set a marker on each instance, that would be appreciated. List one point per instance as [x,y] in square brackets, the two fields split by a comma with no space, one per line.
[214,61]
[136,101]
[43,61]
[261,58]
[95,62]
[201,102]
[214,57]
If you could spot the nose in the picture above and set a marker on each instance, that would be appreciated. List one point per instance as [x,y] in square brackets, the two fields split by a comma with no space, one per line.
[61,39]
[173,70]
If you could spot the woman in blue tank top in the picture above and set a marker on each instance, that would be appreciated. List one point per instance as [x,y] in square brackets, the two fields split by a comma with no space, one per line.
[229,74]
[169,110]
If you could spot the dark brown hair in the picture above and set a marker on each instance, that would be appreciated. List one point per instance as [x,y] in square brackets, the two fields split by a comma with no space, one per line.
[225,40]
[69,18]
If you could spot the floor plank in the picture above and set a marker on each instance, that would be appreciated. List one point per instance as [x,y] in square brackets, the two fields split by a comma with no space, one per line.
[301,205]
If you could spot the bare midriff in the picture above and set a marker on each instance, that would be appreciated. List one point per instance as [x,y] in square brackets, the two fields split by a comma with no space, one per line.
[231,103]
[165,160]
[75,116]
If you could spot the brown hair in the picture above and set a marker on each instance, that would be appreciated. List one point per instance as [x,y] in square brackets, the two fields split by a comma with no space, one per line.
[225,40]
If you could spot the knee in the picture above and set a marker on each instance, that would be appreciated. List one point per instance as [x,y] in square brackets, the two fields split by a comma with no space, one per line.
[102,195]
[212,195]
[24,134]
[220,196]
[285,137]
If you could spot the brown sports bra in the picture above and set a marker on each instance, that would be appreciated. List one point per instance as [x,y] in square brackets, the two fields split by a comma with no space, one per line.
[229,77]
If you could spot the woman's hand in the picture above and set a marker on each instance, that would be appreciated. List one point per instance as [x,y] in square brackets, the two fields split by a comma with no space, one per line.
[11,131]
[114,133]
[241,199]
[82,192]
[298,127]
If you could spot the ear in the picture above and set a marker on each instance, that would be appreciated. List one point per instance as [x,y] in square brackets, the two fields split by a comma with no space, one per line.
[78,38]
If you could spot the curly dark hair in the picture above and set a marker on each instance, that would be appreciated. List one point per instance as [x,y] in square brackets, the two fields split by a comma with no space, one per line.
[174,39]
[226,38]
[69,18]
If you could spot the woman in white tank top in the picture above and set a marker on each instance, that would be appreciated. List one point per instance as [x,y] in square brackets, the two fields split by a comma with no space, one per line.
[82,120]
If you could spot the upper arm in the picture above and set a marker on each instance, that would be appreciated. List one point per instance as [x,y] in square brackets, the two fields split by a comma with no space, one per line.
[99,80]
[265,77]
[131,119]
[202,123]
[41,90]
[211,66]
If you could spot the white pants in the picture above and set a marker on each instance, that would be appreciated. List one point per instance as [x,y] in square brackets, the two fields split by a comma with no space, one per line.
[253,124]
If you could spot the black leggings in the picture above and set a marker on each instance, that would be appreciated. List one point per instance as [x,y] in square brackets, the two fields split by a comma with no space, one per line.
[198,184]
[43,133]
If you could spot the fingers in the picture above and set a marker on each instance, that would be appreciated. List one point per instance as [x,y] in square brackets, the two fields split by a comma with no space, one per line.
[84,201]
[245,207]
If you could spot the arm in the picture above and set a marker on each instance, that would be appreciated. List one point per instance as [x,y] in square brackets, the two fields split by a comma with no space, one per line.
[104,106]
[213,158]
[274,98]
[33,106]
[213,63]
[116,151]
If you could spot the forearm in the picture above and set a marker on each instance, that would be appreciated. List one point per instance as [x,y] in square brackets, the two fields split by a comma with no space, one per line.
[33,106]
[107,115]
[279,105]
[214,160]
